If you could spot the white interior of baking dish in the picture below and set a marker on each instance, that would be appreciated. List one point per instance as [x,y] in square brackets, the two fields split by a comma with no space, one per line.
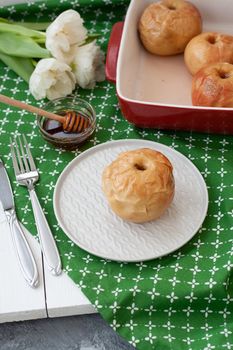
[143,77]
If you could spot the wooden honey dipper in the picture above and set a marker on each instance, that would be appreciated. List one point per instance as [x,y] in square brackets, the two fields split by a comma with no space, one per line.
[71,121]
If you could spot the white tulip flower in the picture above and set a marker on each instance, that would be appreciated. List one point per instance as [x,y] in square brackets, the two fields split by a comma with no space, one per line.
[52,79]
[88,65]
[64,34]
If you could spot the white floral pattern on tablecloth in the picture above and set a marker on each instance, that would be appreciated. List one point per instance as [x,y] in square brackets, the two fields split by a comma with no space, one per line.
[181,301]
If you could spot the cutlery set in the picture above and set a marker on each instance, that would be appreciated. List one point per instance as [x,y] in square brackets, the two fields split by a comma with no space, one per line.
[27,175]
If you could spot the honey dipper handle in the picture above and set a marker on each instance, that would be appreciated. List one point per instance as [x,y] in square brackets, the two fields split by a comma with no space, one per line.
[15,103]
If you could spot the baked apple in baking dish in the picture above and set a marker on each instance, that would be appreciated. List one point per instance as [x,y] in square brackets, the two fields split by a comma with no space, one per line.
[166,26]
[212,86]
[207,48]
[139,185]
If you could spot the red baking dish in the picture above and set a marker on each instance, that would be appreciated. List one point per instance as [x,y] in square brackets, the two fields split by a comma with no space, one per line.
[155,91]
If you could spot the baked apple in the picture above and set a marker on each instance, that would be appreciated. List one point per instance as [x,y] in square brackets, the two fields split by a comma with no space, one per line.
[139,185]
[208,48]
[212,86]
[166,27]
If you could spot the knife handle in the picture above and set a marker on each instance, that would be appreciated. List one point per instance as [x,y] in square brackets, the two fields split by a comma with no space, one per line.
[24,253]
[47,241]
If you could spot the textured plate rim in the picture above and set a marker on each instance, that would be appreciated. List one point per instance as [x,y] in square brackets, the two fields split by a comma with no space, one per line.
[105,144]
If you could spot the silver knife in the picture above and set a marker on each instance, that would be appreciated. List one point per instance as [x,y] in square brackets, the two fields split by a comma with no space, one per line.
[24,253]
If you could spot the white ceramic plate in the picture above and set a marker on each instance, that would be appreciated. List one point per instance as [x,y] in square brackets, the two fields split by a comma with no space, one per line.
[83,213]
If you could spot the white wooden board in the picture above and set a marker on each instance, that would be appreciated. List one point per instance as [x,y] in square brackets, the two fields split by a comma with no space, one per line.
[55,296]
[64,298]
[18,301]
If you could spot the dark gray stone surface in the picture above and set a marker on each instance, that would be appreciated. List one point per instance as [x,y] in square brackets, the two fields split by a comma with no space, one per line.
[86,332]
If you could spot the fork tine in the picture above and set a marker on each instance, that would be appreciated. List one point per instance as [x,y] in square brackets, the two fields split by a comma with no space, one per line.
[30,158]
[14,160]
[21,167]
[24,155]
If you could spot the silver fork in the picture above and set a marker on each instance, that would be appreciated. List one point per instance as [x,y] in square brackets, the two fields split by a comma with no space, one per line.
[27,175]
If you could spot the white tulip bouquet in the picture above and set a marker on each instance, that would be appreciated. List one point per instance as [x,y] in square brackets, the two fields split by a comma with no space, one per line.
[56,61]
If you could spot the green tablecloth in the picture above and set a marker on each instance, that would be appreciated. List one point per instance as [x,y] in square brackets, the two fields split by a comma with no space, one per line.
[181,301]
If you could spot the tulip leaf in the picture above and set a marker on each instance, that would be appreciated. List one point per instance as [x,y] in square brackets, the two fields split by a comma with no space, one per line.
[35,26]
[90,38]
[21,46]
[20,65]
[31,25]
[4,20]
[20,30]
